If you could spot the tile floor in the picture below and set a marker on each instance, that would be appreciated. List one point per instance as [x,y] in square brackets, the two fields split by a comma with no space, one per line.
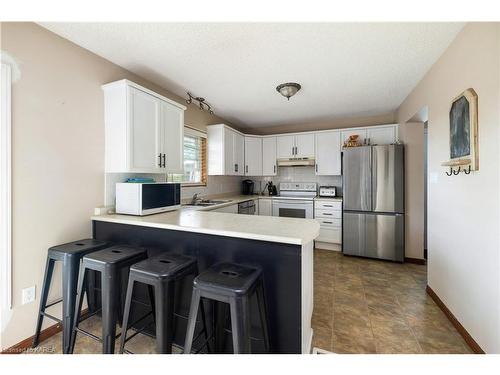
[360,306]
[371,306]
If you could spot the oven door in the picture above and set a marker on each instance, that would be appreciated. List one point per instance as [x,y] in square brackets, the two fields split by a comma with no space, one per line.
[293,208]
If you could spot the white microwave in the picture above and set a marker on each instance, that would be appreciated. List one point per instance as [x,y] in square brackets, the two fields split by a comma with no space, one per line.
[147,198]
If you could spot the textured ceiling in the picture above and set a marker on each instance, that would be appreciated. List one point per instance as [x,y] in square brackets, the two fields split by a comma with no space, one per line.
[345,69]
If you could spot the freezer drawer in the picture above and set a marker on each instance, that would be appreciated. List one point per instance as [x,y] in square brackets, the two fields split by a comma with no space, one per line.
[374,235]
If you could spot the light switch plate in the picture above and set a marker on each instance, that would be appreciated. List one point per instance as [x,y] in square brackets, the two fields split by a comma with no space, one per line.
[29,295]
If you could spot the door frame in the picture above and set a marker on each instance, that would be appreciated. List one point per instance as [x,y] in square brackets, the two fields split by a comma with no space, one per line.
[5,191]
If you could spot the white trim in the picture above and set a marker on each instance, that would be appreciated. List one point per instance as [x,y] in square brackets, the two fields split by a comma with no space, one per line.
[142,88]
[189,131]
[5,191]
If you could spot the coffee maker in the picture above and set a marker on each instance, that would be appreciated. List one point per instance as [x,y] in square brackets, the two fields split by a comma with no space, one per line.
[247,187]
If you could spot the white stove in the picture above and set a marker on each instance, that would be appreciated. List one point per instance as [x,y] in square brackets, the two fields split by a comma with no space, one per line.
[295,199]
[298,190]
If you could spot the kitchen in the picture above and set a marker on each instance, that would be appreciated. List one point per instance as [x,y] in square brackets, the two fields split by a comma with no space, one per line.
[320,218]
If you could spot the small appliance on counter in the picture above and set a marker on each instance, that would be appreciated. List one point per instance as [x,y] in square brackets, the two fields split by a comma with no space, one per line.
[327,191]
[272,188]
[147,198]
[247,187]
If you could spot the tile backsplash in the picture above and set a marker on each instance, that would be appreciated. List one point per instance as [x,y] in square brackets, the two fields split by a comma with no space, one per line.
[215,185]
[226,184]
[298,174]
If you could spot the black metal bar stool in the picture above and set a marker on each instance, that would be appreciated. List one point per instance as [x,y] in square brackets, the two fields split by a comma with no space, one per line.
[233,284]
[160,275]
[70,254]
[110,262]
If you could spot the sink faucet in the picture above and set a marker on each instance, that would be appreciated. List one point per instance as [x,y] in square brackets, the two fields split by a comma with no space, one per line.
[195,198]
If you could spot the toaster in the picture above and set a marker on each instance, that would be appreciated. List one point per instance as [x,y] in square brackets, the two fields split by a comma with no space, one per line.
[327,191]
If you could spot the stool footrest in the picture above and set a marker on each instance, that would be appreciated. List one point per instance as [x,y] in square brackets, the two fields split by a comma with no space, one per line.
[54,303]
[51,317]
[88,334]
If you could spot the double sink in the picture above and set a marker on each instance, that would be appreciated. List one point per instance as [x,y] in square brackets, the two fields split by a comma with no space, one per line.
[208,202]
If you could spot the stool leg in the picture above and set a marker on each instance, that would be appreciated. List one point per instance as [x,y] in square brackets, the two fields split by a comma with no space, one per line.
[240,325]
[109,310]
[126,313]
[78,310]
[164,300]
[70,282]
[261,300]
[49,268]
[193,315]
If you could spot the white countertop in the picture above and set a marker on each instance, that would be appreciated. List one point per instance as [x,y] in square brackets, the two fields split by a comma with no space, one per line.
[253,227]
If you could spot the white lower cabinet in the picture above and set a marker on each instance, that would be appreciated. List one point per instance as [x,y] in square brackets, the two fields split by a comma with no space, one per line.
[328,213]
[265,207]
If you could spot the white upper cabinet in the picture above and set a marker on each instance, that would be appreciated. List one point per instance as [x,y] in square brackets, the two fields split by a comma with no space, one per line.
[239,153]
[253,156]
[269,167]
[226,151]
[328,151]
[381,135]
[304,145]
[295,146]
[345,134]
[173,137]
[143,130]
[285,146]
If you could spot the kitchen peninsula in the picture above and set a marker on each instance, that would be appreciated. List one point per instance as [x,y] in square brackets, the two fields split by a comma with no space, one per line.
[282,247]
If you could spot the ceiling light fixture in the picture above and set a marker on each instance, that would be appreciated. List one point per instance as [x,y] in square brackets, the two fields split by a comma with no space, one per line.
[202,104]
[288,89]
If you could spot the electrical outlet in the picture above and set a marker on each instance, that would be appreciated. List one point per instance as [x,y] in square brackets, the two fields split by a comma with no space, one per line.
[29,294]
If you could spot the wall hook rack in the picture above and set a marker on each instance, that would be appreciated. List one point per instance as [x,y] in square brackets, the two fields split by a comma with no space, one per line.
[467,171]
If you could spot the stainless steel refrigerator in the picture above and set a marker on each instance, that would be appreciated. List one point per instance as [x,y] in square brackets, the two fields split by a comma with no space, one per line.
[373,203]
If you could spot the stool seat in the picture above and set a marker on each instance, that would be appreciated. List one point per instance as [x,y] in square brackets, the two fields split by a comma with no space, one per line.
[113,255]
[81,247]
[228,278]
[168,266]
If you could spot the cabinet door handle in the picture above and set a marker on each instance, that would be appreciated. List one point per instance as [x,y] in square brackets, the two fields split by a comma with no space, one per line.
[274,169]
[159,160]
[293,150]
[327,222]
[316,168]
[327,214]
[246,168]
[164,160]
[327,205]
[236,167]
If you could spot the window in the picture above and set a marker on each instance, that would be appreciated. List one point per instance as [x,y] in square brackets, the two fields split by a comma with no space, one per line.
[195,161]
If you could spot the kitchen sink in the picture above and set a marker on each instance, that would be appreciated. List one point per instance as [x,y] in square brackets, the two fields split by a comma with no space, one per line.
[208,202]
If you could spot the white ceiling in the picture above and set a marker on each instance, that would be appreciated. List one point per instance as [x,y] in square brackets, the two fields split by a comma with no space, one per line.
[345,69]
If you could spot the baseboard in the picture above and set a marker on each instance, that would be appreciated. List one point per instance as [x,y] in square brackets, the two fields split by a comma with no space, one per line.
[416,261]
[48,332]
[24,345]
[327,246]
[460,328]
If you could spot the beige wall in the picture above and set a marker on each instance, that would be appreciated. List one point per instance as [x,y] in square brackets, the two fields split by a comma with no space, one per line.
[463,210]
[412,135]
[58,152]
[348,122]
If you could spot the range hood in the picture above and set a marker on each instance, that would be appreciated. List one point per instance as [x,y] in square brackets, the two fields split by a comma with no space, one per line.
[296,162]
